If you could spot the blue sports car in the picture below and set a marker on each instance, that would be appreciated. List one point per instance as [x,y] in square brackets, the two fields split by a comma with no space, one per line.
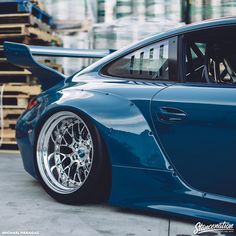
[151,126]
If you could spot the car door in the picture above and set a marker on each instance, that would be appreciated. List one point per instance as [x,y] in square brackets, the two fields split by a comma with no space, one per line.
[195,124]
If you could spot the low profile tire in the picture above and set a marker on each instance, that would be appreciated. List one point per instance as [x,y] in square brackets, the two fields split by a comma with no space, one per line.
[71,159]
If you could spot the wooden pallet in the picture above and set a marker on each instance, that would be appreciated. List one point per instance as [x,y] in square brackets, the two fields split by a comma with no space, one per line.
[26,19]
[15,73]
[13,30]
[29,25]
[19,6]
[19,101]
[8,69]
[21,88]
[11,116]
[2,59]
[6,66]
[9,146]
[13,113]
[9,141]
[9,134]
[44,36]
[18,79]
[10,123]
[8,31]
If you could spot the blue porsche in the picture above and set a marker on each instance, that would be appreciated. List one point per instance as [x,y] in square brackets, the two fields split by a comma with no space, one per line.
[151,126]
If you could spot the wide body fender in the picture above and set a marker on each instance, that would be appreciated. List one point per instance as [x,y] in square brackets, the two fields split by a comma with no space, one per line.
[141,176]
[127,135]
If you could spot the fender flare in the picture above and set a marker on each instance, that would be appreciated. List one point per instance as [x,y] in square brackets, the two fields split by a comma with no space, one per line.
[126,133]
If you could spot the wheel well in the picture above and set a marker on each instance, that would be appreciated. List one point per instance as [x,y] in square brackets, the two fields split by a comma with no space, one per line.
[87,118]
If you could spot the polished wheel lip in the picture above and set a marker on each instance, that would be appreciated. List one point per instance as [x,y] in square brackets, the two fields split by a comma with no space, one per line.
[64,173]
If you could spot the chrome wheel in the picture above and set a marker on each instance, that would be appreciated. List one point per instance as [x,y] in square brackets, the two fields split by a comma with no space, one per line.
[64,152]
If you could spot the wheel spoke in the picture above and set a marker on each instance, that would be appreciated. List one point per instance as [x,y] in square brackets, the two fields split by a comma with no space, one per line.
[78,176]
[81,129]
[67,152]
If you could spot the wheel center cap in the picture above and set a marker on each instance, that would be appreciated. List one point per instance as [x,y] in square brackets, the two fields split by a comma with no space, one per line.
[81,151]
[76,146]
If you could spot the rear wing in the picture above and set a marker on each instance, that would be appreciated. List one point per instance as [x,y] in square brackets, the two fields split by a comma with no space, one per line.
[22,55]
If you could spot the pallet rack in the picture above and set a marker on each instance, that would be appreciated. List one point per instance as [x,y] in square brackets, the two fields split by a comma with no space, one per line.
[22,21]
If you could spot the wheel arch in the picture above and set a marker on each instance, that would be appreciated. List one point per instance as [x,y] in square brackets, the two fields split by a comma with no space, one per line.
[122,125]
[128,138]
[78,112]
[126,133]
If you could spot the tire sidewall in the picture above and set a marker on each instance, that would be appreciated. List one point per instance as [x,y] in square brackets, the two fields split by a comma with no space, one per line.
[90,191]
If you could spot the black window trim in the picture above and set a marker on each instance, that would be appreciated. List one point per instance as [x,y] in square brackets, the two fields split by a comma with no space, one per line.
[182,62]
[176,37]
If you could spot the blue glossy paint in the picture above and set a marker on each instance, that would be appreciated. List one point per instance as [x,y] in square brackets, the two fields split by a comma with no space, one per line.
[181,166]
[20,55]
[205,138]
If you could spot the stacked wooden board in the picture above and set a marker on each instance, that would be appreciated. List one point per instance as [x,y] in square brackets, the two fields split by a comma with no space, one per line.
[22,21]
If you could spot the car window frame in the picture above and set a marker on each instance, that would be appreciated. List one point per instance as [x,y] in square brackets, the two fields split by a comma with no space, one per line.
[182,63]
[174,62]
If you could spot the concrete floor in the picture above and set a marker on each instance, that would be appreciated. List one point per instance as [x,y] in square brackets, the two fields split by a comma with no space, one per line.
[24,206]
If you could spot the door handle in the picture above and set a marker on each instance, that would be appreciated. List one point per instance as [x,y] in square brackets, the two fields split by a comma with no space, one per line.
[171,114]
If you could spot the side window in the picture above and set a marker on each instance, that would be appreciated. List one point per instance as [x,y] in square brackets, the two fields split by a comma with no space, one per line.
[210,56]
[195,59]
[151,62]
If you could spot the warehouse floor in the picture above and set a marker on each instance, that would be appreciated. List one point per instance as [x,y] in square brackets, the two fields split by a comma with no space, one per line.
[24,206]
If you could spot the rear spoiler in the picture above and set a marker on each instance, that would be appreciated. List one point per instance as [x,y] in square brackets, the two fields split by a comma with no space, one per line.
[22,55]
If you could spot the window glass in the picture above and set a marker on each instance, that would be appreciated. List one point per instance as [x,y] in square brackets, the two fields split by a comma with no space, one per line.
[211,56]
[150,62]
[195,53]
[202,47]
